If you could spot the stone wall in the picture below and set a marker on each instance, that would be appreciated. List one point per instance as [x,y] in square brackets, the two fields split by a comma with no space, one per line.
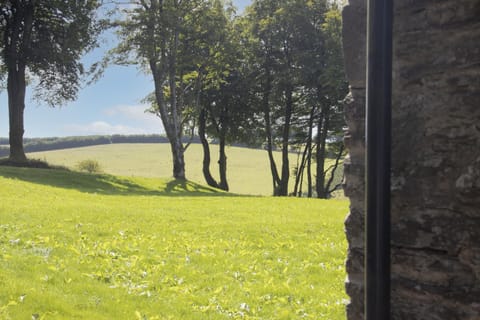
[354,39]
[435,158]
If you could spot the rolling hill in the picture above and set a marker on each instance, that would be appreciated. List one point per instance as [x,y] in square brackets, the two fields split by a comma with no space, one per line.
[248,169]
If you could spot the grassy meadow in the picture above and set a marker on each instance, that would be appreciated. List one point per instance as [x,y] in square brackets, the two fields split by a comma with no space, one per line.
[248,169]
[82,246]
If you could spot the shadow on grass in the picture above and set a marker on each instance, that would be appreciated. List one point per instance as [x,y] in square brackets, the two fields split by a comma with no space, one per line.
[108,184]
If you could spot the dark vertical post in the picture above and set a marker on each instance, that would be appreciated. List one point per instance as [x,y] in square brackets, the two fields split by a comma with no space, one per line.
[378,145]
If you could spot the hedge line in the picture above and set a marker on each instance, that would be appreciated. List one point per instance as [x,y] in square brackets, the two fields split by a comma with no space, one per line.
[55,143]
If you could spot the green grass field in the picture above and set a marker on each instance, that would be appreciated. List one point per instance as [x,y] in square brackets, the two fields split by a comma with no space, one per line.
[248,169]
[80,246]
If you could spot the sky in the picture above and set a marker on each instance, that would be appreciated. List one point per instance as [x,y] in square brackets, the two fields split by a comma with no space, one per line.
[112,105]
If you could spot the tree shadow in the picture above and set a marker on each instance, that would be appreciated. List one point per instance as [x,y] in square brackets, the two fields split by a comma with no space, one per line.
[109,185]
[175,187]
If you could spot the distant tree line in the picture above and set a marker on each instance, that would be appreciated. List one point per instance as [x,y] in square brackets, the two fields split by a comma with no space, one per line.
[56,143]
[271,77]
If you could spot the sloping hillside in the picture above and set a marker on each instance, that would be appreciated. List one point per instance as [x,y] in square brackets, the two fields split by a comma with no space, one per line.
[248,169]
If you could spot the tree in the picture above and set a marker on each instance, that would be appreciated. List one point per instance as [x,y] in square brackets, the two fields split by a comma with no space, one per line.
[310,44]
[272,32]
[319,119]
[278,33]
[216,55]
[297,50]
[226,115]
[160,36]
[45,39]
[331,89]
[223,109]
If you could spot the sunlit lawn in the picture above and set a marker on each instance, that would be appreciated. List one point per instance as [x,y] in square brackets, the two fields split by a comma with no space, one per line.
[248,169]
[78,246]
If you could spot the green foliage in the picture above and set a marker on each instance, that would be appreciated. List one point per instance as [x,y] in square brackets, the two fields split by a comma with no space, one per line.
[45,41]
[103,247]
[167,38]
[295,49]
[49,37]
[90,166]
[255,79]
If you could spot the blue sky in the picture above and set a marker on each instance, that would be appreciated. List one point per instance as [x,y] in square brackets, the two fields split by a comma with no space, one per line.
[110,106]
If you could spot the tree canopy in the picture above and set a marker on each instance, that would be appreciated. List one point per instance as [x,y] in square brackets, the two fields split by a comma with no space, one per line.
[162,36]
[44,40]
[296,48]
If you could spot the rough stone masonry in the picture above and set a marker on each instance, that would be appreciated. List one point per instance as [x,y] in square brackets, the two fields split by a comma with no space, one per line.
[435,158]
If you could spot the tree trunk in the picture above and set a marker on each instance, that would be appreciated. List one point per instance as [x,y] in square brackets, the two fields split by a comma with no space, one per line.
[297,190]
[328,185]
[306,159]
[170,117]
[176,143]
[206,150]
[178,159]
[309,150]
[283,186]
[300,177]
[268,131]
[222,155]
[322,131]
[309,170]
[222,162]
[175,139]
[16,87]
[17,40]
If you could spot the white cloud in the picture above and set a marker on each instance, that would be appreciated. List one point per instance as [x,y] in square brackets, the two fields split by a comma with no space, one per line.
[121,119]
[135,112]
[136,115]
[103,128]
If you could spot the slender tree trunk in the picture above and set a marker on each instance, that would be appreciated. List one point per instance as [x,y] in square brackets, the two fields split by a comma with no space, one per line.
[309,150]
[322,131]
[300,190]
[309,171]
[328,186]
[16,87]
[268,132]
[306,160]
[299,175]
[222,161]
[206,150]
[222,155]
[299,178]
[283,187]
